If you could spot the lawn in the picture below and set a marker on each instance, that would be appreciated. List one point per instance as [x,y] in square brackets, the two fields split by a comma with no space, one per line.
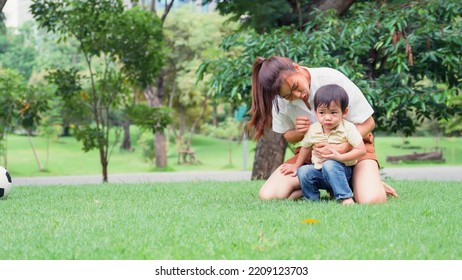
[68,158]
[226,220]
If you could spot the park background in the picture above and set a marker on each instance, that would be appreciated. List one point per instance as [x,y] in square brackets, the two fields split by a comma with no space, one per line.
[156,97]
[101,87]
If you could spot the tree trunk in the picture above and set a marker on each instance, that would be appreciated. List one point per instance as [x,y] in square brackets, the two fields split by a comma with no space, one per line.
[160,147]
[126,143]
[270,152]
[34,151]
[340,6]
[154,99]
[214,115]
[104,164]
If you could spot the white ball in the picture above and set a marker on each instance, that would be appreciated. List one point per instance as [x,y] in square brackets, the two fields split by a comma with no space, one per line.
[5,183]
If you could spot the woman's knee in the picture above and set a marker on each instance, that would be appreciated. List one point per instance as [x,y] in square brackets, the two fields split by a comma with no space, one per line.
[367,184]
[377,198]
[279,186]
[266,193]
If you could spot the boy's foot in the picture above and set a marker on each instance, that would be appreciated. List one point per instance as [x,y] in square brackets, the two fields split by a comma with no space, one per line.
[348,201]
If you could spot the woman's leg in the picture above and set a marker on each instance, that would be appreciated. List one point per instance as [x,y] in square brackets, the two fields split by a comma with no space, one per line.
[368,187]
[280,186]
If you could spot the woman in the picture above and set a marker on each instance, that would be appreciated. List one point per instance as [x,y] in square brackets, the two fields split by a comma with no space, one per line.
[282,96]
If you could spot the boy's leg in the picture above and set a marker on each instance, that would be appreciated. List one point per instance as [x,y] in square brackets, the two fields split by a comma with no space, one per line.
[311,180]
[337,176]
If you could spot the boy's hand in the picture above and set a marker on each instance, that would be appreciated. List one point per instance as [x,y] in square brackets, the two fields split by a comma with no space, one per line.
[289,169]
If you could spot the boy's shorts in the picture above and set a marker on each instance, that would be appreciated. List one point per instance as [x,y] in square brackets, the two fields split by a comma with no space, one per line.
[368,142]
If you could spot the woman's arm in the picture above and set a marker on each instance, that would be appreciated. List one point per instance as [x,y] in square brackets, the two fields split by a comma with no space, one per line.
[366,127]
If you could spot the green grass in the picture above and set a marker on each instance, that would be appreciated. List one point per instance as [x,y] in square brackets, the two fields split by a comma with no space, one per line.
[68,158]
[225,220]
[395,146]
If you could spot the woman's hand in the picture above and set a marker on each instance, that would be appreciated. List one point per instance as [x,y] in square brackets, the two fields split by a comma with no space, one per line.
[289,169]
[302,123]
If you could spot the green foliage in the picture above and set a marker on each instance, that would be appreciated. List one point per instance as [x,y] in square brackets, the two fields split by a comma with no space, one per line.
[89,136]
[139,45]
[192,37]
[228,129]
[146,144]
[73,98]
[90,22]
[11,87]
[149,118]
[34,102]
[17,52]
[406,58]
[264,15]
[2,23]
[453,126]
[67,82]
[109,38]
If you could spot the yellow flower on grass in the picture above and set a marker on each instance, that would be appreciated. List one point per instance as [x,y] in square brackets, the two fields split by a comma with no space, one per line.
[310,221]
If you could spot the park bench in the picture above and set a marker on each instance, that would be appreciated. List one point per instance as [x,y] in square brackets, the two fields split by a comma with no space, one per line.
[187,156]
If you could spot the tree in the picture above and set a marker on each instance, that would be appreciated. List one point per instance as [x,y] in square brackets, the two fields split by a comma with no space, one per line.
[33,105]
[263,15]
[403,50]
[11,87]
[192,37]
[18,52]
[97,26]
[155,96]
[142,53]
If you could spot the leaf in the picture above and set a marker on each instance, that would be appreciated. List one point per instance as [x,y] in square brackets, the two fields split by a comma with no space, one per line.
[310,221]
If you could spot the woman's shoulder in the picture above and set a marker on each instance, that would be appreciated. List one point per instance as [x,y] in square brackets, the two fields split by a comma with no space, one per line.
[324,71]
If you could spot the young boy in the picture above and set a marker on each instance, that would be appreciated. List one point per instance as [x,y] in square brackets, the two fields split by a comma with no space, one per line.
[332,172]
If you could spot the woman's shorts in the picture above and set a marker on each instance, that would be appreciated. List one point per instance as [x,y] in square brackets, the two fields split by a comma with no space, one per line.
[368,142]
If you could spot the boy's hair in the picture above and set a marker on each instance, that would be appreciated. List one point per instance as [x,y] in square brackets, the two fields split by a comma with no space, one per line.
[327,94]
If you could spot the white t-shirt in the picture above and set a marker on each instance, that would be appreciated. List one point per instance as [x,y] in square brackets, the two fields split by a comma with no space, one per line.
[359,110]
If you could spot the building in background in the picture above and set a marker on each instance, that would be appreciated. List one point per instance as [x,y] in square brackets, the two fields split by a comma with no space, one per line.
[17,12]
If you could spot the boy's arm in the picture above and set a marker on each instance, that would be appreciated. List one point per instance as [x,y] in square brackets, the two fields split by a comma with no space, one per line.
[288,168]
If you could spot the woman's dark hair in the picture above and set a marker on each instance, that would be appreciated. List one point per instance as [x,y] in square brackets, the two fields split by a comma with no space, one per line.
[327,94]
[266,82]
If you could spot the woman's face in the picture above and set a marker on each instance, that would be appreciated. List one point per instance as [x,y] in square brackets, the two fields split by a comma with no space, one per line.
[296,86]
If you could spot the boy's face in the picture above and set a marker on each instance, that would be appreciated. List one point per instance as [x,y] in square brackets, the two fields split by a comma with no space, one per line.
[330,116]
[296,86]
